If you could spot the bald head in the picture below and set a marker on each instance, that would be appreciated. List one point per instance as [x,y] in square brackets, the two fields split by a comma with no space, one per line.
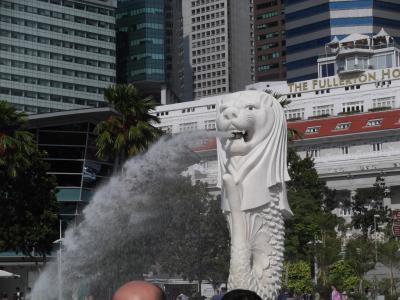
[139,290]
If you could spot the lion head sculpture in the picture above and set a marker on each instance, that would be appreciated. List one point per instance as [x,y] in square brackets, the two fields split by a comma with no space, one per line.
[254,150]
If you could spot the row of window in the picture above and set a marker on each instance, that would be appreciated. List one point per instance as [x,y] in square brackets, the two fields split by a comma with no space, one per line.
[208,7]
[344,150]
[54,70]
[269,56]
[186,110]
[51,83]
[270,45]
[208,17]
[156,56]
[62,16]
[208,42]
[209,83]
[210,92]
[57,56]
[208,50]
[210,75]
[209,33]
[141,11]
[208,67]
[270,35]
[267,25]
[50,97]
[208,25]
[147,40]
[266,4]
[57,29]
[268,67]
[148,71]
[267,15]
[344,125]
[55,42]
[208,58]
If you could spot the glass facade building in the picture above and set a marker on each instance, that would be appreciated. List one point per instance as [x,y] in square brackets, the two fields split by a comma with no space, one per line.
[141,24]
[310,25]
[68,139]
[149,47]
[56,54]
[269,40]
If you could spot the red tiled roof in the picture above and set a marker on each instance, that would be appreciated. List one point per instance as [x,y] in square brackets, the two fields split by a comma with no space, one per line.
[207,144]
[358,124]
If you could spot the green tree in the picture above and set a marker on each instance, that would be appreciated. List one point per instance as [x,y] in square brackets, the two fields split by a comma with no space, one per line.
[131,130]
[389,256]
[308,197]
[195,231]
[360,258]
[297,276]
[28,205]
[367,204]
[16,143]
[343,276]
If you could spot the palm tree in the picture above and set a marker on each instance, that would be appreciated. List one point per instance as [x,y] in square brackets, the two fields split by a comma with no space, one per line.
[284,101]
[131,130]
[16,143]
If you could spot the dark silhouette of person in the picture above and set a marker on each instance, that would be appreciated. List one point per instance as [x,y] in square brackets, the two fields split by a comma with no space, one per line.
[240,294]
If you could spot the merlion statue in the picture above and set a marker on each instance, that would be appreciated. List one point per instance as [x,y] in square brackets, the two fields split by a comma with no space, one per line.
[252,175]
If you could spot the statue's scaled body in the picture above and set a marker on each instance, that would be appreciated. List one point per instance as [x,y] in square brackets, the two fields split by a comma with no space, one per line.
[252,175]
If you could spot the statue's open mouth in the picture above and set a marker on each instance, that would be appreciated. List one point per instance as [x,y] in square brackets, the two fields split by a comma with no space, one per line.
[238,134]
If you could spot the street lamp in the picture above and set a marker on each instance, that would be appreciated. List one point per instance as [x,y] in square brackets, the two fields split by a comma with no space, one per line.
[314,243]
[376,239]
[59,261]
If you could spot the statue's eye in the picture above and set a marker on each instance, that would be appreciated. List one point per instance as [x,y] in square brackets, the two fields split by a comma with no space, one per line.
[249,107]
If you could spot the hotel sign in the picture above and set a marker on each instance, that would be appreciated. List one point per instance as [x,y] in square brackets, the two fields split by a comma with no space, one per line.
[336,81]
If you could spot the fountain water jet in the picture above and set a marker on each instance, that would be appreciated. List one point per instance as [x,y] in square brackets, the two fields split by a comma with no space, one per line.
[97,253]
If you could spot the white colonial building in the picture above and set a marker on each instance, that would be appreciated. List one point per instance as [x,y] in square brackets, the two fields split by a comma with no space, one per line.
[350,121]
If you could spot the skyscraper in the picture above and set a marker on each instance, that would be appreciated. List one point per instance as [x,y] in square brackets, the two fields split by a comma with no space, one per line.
[311,24]
[217,46]
[149,37]
[56,54]
[269,40]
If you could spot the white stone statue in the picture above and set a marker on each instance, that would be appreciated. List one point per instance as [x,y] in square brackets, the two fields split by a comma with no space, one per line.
[252,175]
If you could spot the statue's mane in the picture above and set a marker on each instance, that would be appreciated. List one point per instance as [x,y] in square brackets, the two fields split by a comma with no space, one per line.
[265,165]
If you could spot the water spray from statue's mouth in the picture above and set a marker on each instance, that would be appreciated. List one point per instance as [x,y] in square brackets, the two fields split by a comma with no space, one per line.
[238,134]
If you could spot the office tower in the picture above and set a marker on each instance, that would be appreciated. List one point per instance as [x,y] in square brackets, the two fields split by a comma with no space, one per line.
[310,25]
[217,46]
[270,40]
[149,37]
[56,54]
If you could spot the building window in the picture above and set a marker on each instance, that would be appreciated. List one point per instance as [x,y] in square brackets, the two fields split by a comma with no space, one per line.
[342,126]
[323,110]
[384,102]
[209,125]
[374,122]
[376,147]
[314,152]
[344,150]
[188,126]
[313,129]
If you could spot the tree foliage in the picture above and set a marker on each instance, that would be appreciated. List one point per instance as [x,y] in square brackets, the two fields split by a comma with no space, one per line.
[368,203]
[28,205]
[389,256]
[131,130]
[343,276]
[360,258]
[194,234]
[297,276]
[16,143]
[309,199]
